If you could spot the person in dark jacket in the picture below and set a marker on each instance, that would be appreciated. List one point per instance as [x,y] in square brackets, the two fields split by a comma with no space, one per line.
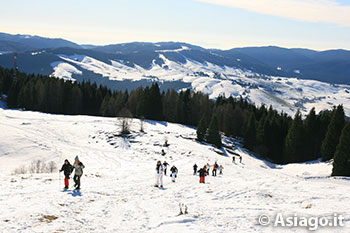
[207,168]
[195,169]
[202,173]
[67,169]
[173,171]
[165,165]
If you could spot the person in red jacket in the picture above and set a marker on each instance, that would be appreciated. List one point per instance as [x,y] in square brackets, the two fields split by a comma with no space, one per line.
[215,168]
[202,173]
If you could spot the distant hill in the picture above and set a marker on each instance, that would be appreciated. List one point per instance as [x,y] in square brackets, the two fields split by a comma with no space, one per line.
[269,75]
[35,42]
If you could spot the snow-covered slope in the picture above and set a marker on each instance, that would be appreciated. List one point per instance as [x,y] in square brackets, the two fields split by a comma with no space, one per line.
[117,192]
[284,94]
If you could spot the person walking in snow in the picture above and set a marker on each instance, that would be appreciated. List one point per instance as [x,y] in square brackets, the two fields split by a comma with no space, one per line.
[159,177]
[240,159]
[233,159]
[174,171]
[195,169]
[202,173]
[208,168]
[67,169]
[221,168]
[78,172]
[165,165]
[215,167]
[163,152]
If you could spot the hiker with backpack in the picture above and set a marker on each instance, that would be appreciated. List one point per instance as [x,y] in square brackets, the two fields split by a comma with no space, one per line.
[195,169]
[78,172]
[215,167]
[221,169]
[207,168]
[174,171]
[202,173]
[159,175]
[67,169]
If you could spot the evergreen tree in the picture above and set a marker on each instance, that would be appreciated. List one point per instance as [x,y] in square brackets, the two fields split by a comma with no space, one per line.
[331,140]
[260,136]
[202,129]
[169,105]
[341,164]
[214,136]
[293,147]
[250,134]
[155,103]
[312,130]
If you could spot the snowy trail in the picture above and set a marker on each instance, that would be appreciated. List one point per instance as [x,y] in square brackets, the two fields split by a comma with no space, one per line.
[117,187]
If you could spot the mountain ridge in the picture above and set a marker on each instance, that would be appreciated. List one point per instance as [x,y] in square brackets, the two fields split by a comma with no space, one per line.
[287,79]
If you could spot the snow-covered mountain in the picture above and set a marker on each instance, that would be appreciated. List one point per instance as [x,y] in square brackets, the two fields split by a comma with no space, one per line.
[287,79]
[285,94]
[117,192]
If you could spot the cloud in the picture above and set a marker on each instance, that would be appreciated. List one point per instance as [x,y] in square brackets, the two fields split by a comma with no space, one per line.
[325,11]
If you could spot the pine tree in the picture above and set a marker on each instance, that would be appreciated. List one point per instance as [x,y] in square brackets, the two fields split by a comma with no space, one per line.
[312,130]
[213,136]
[331,140]
[202,129]
[341,164]
[293,147]
[155,104]
[250,134]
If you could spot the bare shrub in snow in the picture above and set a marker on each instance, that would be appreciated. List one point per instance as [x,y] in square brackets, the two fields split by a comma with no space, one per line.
[20,170]
[36,166]
[183,209]
[124,121]
[51,167]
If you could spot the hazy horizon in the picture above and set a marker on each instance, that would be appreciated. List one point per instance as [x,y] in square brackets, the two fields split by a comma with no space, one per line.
[221,24]
[185,42]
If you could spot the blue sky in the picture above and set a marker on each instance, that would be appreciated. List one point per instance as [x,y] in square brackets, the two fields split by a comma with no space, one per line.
[315,24]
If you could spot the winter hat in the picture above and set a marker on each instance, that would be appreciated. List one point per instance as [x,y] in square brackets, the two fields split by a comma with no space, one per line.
[66,160]
[76,158]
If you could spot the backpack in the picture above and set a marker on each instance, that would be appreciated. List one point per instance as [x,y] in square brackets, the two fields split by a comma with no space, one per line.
[79,169]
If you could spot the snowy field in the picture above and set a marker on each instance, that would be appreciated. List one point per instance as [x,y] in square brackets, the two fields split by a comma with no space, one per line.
[117,192]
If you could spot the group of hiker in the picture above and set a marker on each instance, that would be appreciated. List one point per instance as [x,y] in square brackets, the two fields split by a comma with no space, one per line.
[67,169]
[234,159]
[162,169]
[204,171]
